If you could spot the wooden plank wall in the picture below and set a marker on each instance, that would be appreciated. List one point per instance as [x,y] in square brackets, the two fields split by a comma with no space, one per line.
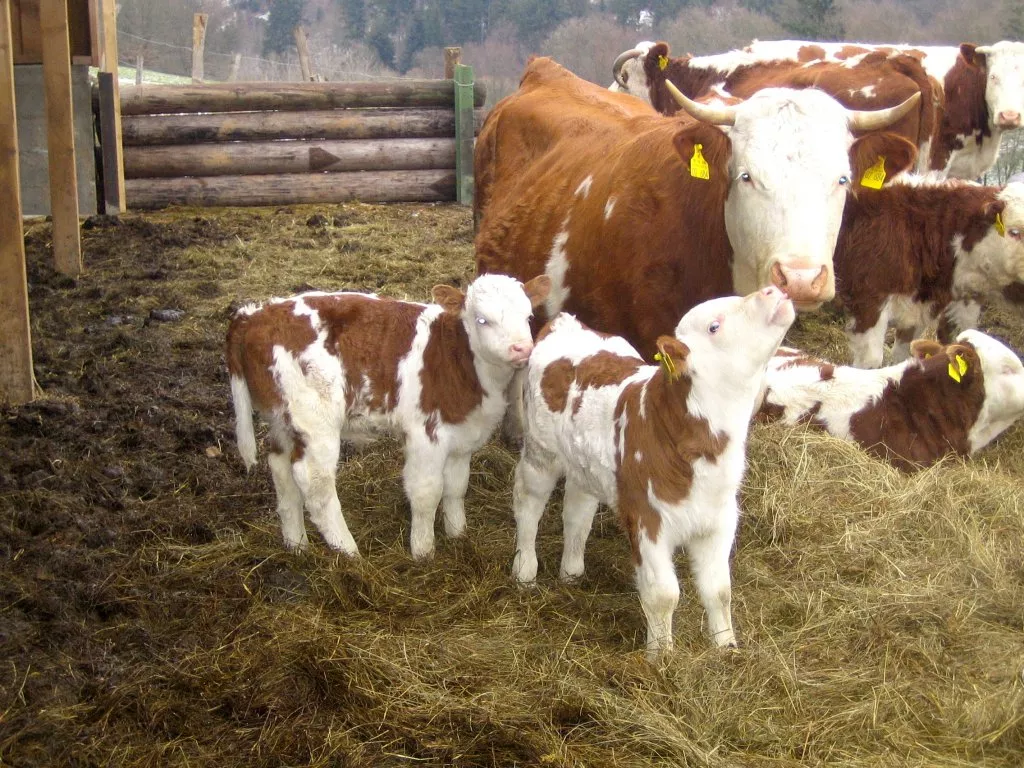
[27,31]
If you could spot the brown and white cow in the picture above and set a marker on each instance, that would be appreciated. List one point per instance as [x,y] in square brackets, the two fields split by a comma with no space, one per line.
[663,445]
[638,219]
[952,399]
[919,251]
[322,367]
[873,81]
[983,88]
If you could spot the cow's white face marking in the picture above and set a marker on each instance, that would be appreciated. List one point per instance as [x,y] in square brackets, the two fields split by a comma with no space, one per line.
[1004,387]
[634,76]
[1004,85]
[496,316]
[996,260]
[790,172]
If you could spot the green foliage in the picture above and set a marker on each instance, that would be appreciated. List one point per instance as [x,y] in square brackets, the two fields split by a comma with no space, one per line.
[814,20]
[381,43]
[285,16]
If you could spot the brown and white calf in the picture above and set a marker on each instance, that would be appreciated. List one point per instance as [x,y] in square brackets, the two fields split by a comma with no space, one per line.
[664,445]
[952,399]
[919,251]
[322,367]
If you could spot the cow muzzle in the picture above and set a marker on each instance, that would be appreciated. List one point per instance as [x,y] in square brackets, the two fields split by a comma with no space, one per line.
[1008,118]
[519,353]
[808,287]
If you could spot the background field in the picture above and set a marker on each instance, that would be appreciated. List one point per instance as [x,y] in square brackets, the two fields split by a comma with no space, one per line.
[148,615]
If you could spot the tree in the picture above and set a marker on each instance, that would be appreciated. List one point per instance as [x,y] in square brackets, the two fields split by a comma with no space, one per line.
[285,16]
[813,19]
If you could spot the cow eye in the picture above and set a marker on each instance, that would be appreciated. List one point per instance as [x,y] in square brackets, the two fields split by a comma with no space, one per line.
[745,176]
[844,180]
[481,321]
[1014,233]
[713,328]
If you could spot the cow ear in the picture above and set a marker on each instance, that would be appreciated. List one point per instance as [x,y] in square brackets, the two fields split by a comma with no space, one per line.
[963,363]
[993,208]
[921,349]
[538,289]
[699,142]
[655,54]
[672,355]
[449,297]
[971,55]
[880,151]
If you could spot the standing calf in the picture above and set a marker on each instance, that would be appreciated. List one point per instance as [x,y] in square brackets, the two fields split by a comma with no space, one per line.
[946,399]
[663,445]
[322,367]
[917,251]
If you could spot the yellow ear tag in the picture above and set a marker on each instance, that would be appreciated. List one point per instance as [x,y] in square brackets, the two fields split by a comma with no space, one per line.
[668,365]
[699,168]
[1000,227]
[874,176]
[662,62]
[958,370]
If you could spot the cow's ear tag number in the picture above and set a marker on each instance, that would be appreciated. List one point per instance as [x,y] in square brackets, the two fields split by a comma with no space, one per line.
[667,364]
[874,176]
[698,165]
[1000,227]
[957,370]
[662,62]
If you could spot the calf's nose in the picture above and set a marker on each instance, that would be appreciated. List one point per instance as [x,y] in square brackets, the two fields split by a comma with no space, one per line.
[1009,118]
[521,350]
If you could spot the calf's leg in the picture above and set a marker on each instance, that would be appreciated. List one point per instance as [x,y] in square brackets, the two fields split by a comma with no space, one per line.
[424,477]
[578,509]
[289,500]
[456,482]
[533,485]
[315,474]
[658,585]
[709,564]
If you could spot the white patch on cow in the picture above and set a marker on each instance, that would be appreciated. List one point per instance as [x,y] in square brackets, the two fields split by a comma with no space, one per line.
[634,75]
[556,268]
[638,456]
[868,91]
[723,63]
[1004,388]
[1004,87]
[584,188]
[608,208]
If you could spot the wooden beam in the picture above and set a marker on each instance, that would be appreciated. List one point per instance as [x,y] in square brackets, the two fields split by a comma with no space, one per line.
[303,47]
[108,63]
[138,69]
[294,188]
[150,130]
[198,44]
[248,97]
[110,149]
[464,134]
[60,134]
[235,64]
[96,33]
[16,382]
[452,56]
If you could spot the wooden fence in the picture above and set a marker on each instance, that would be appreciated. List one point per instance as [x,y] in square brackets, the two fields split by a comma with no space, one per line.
[231,144]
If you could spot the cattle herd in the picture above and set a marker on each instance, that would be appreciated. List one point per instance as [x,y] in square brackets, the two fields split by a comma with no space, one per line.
[617,230]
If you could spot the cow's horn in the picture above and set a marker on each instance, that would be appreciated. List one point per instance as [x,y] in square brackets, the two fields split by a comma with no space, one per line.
[619,62]
[984,50]
[716,115]
[873,119]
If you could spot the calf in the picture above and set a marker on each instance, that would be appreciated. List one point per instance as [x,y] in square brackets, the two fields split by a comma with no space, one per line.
[322,367]
[946,399]
[663,445]
[918,251]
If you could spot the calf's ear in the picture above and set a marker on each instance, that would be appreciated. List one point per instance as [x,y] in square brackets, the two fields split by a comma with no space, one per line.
[921,349]
[971,55]
[892,152]
[449,297]
[538,289]
[672,355]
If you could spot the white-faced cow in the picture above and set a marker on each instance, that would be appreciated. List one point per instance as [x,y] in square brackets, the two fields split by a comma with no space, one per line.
[920,251]
[983,87]
[643,217]
[322,367]
[872,81]
[663,445]
[952,399]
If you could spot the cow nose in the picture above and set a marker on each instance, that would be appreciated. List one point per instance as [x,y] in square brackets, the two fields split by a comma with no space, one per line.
[1009,118]
[808,287]
[521,350]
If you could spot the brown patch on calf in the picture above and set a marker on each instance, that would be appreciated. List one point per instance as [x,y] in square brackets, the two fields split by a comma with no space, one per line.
[555,382]
[602,369]
[451,388]
[669,440]
[927,414]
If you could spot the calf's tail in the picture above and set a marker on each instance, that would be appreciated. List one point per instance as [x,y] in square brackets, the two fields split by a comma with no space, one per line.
[245,435]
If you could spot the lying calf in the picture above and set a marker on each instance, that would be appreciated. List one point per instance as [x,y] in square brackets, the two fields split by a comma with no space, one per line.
[919,251]
[945,399]
[322,367]
[663,445]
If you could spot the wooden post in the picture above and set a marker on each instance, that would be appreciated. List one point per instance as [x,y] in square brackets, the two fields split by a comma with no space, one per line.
[233,75]
[198,43]
[452,57]
[60,135]
[16,382]
[113,205]
[138,69]
[464,134]
[110,144]
[303,48]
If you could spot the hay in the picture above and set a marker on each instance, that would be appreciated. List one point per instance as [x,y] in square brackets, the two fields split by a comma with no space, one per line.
[150,616]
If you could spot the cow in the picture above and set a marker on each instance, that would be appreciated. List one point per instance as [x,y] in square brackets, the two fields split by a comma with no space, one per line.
[921,251]
[322,367]
[872,81]
[663,445]
[983,88]
[945,399]
[644,217]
